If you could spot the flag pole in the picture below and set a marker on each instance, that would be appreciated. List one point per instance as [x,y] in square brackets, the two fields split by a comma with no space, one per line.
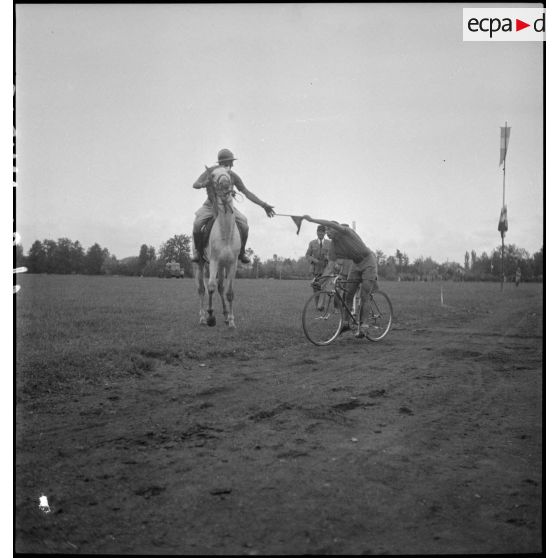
[504,168]
[502,271]
[504,201]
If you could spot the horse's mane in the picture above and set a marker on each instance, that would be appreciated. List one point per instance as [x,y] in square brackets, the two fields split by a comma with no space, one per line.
[216,176]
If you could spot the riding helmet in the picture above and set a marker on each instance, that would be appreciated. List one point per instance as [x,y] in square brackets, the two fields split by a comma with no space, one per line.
[225,155]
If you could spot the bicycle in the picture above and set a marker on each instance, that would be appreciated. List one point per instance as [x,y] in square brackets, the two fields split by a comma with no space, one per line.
[322,316]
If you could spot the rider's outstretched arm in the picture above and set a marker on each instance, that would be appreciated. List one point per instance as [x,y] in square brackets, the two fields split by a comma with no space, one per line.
[330,224]
[252,197]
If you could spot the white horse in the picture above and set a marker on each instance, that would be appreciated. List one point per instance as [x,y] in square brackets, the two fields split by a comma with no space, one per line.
[222,251]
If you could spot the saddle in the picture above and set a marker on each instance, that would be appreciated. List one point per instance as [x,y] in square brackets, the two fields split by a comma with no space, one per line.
[205,231]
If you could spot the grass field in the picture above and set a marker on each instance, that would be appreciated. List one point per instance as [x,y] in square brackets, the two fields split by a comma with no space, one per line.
[73,329]
[429,441]
[83,328]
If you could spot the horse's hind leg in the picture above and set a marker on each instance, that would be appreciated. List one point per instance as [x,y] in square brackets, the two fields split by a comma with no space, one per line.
[201,294]
[221,289]
[230,297]
[211,321]
[211,286]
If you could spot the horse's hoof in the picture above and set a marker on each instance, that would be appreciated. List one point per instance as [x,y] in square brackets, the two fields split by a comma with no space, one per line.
[211,321]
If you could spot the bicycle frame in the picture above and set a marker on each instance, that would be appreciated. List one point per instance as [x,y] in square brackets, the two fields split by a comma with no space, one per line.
[340,287]
[327,310]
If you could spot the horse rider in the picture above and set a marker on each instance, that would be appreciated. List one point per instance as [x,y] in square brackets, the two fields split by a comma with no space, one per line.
[347,244]
[225,159]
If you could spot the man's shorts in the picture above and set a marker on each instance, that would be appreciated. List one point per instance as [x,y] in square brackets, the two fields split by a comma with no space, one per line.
[366,269]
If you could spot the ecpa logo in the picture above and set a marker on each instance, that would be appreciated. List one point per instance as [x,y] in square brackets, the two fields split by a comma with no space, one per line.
[503,24]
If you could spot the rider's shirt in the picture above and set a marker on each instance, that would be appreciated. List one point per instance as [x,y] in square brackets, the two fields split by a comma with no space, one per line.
[348,245]
[204,179]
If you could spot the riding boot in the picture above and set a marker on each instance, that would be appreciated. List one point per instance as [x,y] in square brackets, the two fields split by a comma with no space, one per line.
[243,229]
[197,248]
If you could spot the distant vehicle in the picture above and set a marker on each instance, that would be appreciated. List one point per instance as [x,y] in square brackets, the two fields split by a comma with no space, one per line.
[173,269]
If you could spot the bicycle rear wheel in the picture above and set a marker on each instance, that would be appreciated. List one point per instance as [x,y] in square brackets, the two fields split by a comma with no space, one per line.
[322,318]
[379,317]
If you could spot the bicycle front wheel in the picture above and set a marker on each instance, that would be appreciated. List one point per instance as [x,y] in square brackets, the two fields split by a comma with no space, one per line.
[380,316]
[322,318]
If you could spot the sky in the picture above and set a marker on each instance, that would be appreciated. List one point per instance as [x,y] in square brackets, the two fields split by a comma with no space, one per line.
[377,114]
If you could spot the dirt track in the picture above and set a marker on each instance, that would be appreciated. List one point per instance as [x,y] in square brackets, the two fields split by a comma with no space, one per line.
[427,442]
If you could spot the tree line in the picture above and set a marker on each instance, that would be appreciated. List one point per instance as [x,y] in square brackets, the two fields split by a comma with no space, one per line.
[65,256]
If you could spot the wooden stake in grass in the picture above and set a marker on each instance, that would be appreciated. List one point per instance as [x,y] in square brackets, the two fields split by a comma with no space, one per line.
[441,295]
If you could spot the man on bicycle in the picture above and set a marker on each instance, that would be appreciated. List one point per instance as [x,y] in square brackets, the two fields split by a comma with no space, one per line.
[347,244]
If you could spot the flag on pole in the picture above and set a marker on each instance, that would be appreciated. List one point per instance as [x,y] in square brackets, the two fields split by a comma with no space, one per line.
[297,221]
[504,140]
[296,218]
[503,222]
